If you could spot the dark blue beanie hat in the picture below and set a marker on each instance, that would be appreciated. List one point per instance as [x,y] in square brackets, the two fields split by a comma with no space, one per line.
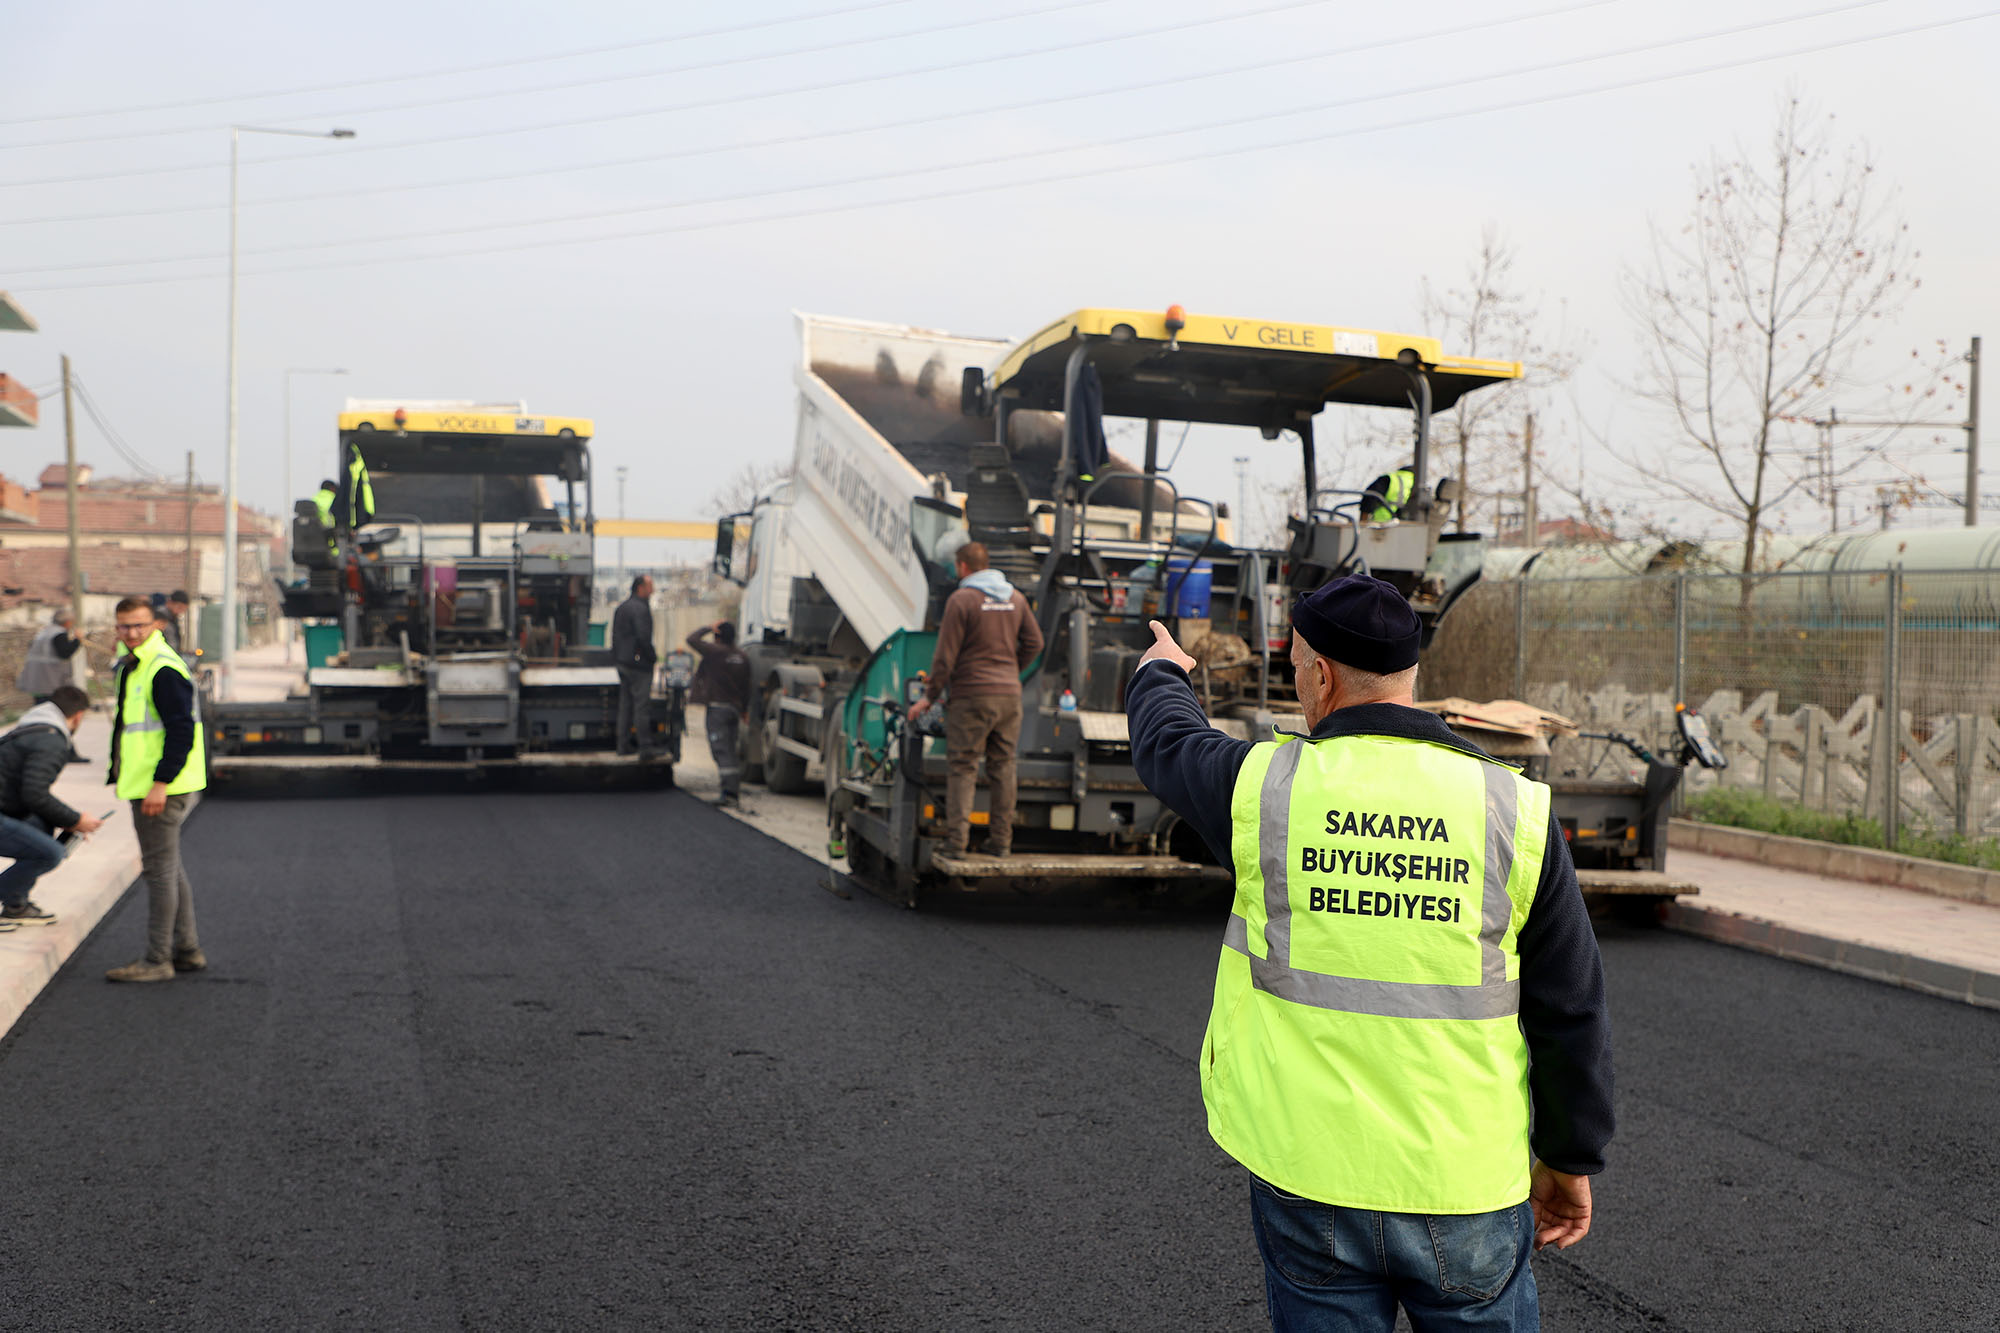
[1359,622]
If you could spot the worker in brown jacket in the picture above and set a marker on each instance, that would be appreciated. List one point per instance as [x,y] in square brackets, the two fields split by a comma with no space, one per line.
[988,636]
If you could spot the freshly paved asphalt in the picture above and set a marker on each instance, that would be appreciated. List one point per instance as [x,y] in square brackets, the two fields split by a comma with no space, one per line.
[509,1061]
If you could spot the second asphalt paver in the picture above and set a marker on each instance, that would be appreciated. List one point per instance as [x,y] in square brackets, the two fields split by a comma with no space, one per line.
[521,1061]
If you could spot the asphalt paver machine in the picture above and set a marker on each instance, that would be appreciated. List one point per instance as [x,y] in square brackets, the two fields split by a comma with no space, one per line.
[1111,548]
[463,645]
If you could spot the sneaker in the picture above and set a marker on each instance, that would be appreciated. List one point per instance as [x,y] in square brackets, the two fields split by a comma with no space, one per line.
[143,970]
[194,960]
[27,914]
[6,926]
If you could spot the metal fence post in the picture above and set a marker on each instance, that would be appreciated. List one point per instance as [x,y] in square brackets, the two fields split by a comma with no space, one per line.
[1520,638]
[1680,638]
[1891,718]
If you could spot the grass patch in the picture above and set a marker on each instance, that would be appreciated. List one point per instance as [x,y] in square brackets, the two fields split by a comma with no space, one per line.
[1740,807]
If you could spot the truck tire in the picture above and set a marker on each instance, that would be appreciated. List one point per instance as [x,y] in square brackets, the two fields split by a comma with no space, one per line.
[784,772]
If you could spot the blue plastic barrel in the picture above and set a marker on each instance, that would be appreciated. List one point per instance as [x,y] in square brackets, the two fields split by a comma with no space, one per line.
[1188,585]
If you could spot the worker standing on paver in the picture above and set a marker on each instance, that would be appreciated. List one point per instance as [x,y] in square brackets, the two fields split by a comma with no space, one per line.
[722,687]
[1408,973]
[986,638]
[157,763]
[1387,494]
[48,662]
[633,653]
[354,505]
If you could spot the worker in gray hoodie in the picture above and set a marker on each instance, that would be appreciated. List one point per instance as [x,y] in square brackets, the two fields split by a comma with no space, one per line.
[985,640]
[48,663]
[32,756]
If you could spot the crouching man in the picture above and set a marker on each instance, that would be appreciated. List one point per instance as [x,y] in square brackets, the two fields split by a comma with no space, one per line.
[32,756]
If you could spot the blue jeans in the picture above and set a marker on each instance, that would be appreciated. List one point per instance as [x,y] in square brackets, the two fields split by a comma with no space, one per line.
[1329,1269]
[34,854]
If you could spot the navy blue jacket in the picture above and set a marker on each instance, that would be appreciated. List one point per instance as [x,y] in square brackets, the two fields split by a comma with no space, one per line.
[1192,767]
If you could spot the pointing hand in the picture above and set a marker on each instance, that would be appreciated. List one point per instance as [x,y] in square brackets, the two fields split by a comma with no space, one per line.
[1164,649]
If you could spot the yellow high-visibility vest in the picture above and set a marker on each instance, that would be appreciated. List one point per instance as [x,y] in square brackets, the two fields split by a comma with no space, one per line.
[1364,1048]
[1401,482]
[142,737]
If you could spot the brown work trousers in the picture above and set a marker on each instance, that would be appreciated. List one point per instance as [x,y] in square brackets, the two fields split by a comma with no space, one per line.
[988,724]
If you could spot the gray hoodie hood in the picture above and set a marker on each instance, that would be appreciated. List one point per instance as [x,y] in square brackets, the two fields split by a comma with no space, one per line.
[991,582]
[44,713]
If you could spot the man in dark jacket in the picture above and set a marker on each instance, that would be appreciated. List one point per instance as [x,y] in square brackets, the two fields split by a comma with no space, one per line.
[722,687]
[32,755]
[985,640]
[633,653]
[1418,1080]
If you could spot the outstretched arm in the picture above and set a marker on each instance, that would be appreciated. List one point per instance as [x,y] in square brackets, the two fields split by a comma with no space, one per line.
[1181,758]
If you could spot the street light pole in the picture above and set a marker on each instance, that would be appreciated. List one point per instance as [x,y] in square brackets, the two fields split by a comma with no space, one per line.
[229,553]
[621,517]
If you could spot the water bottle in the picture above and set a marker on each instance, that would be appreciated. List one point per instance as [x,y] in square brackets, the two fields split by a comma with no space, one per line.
[1067,704]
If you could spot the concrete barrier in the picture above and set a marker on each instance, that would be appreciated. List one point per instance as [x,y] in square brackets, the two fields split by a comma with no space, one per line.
[1869,866]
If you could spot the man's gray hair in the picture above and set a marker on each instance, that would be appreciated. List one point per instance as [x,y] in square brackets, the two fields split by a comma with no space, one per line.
[1365,685]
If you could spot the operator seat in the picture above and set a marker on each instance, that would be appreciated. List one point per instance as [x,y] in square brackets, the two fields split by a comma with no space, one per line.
[312,542]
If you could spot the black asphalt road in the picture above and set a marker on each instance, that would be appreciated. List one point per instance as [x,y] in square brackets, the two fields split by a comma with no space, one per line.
[581,1061]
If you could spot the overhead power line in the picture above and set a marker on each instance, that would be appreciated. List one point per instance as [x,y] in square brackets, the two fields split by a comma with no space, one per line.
[930,118]
[574,122]
[596,80]
[111,436]
[1002,159]
[1094,172]
[513,62]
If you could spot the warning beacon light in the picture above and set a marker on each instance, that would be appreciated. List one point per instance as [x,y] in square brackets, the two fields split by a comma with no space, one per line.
[1176,321]
[401,418]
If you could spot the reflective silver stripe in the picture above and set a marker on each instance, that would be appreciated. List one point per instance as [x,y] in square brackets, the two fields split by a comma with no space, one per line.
[1274,837]
[150,724]
[1503,812]
[1386,999]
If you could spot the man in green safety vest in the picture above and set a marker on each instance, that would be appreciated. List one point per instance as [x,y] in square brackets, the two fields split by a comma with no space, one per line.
[1387,494]
[1408,1049]
[355,504]
[158,762]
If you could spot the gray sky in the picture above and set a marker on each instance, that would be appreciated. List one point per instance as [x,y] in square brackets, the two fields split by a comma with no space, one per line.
[679,342]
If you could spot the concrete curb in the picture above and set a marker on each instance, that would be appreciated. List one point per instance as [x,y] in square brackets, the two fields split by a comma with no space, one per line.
[1968,883]
[1950,981]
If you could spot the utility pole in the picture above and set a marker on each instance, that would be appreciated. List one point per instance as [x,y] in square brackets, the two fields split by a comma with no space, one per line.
[1972,439]
[193,570]
[1531,528]
[1241,531]
[1970,426]
[69,499]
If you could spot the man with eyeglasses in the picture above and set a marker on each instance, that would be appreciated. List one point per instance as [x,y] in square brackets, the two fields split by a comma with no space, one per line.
[158,762]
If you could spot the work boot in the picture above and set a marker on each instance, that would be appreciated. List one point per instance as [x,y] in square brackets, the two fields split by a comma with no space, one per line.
[190,960]
[143,970]
[27,914]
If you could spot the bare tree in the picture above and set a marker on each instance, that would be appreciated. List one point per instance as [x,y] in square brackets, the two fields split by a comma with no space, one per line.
[1490,315]
[1756,311]
[740,492]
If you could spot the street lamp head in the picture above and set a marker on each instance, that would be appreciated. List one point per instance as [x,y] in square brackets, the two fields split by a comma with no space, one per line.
[340,134]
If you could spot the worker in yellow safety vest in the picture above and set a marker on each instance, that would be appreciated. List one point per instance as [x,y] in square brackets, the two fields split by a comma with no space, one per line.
[1387,494]
[354,506]
[158,762]
[1408,1048]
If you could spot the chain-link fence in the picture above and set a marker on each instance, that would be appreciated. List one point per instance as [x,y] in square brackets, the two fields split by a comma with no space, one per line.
[1873,693]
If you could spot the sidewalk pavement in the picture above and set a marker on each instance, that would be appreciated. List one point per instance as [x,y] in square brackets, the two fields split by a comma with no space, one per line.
[1942,946]
[80,890]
